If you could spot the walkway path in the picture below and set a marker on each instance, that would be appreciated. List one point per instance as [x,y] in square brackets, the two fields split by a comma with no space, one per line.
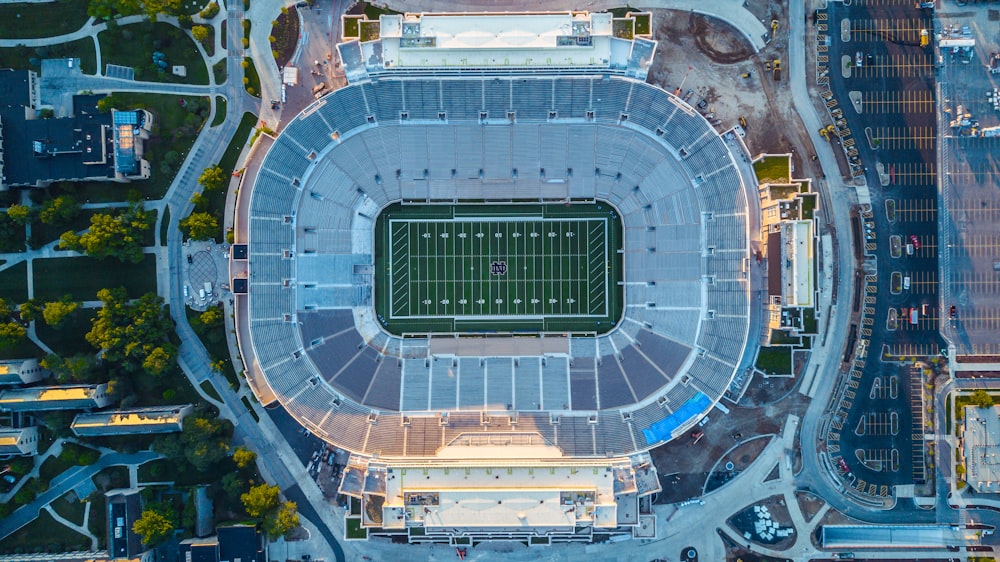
[66,482]
[75,526]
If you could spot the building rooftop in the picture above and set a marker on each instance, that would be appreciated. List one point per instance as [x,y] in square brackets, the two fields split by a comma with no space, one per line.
[157,419]
[798,282]
[982,448]
[55,397]
[579,40]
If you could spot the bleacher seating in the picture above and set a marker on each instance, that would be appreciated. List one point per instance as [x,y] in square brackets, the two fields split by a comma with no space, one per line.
[662,166]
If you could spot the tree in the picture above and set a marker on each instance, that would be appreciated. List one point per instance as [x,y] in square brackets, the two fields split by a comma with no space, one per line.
[200,202]
[199,226]
[212,178]
[204,442]
[260,500]
[211,318]
[29,310]
[77,368]
[128,332]
[4,309]
[118,236]
[244,457]
[60,210]
[110,9]
[11,333]
[281,521]
[56,312]
[200,33]
[159,359]
[982,399]
[153,527]
[20,214]
[232,485]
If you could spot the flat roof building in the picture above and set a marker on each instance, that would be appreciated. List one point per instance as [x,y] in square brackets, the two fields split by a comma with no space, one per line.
[484,488]
[87,145]
[20,371]
[124,508]
[67,397]
[981,445]
[18,442]
[232,543]
[154,419]
[449,42]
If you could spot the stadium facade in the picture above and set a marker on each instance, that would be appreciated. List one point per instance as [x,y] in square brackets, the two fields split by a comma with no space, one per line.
[448,407]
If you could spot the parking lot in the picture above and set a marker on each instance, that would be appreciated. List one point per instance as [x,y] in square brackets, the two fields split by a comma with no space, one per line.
[970,239]
[887,90]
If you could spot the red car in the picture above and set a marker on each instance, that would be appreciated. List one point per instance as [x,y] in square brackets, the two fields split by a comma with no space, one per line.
[915,241]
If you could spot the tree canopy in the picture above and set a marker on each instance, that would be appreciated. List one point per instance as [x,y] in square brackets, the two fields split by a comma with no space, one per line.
[55,313]
[111,9]
[200,32]
[212,178]
[153,527]
[203,442]
[11,333]
[260,500]
[982,398]
[78,368]
[282,520]
[119,235]
[199,226]
[131,332]
[29,310]
[59,210]
[244,457]
[21,214]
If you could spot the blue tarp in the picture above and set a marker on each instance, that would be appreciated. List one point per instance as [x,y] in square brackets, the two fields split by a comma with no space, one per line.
[662,430]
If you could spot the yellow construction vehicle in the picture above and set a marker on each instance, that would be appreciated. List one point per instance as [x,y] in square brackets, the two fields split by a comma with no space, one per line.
[774,28]
[825,132]
[925,38]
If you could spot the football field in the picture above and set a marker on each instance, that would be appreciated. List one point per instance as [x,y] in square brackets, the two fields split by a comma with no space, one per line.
[488,268]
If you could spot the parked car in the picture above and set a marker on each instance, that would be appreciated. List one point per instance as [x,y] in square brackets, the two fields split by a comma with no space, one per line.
[915,241]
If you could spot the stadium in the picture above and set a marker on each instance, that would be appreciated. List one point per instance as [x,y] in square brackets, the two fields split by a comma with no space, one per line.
[548,266]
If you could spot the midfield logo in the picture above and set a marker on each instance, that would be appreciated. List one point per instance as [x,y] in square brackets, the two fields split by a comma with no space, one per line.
[498,268]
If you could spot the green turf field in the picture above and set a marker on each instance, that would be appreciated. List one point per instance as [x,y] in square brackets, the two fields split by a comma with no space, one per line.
[475,268]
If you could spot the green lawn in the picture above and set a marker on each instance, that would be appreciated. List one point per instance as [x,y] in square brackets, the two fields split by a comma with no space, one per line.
[22,349]
[97,523]
[775,360]
[209,389]
[134,46]
[70,508]
[251,78]
[44,534]
[14,283]
[29,20]
[228,160]
[215,343]
[220,72]
[353,528]
[164,226]
[21,57]
[69,338]
[82,277]
[54,466]
[42,234]
[774,169]
[220,111]
[491,268]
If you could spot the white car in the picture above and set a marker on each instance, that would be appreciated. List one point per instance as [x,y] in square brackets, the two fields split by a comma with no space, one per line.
[859,59]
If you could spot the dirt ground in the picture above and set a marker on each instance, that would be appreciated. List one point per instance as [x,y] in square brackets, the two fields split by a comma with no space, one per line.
[742,457]
[684,468]
[710,58]
[809,504]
